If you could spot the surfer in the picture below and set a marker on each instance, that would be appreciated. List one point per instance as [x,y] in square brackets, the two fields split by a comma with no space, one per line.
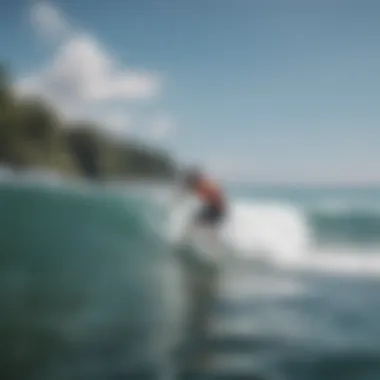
[202,276]
[213,210]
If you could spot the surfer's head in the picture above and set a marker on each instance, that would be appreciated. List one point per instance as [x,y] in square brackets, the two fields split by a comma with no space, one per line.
[192,177]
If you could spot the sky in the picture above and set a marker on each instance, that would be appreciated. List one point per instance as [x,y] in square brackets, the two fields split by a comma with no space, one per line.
[255,91]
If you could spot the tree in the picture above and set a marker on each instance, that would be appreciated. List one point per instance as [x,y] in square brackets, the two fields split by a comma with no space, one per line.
[32,135]
[85,146]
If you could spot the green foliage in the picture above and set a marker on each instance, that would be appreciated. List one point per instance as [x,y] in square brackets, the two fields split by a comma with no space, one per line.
[32,135]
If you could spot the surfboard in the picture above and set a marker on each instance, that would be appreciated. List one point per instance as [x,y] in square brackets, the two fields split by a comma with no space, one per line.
[206,245]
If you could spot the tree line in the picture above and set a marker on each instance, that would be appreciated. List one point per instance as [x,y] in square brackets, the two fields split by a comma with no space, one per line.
[33,135]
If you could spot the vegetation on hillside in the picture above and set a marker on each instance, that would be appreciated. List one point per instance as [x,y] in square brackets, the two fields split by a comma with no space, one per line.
[33,135]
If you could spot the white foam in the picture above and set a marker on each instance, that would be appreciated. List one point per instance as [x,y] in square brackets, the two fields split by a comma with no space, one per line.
[276,231]
[339,261]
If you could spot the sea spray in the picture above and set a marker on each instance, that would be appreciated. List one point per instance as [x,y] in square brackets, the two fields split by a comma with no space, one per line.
[297,231]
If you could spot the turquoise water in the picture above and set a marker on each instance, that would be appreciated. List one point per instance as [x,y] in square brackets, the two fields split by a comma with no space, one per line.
[87,288]
[90,287]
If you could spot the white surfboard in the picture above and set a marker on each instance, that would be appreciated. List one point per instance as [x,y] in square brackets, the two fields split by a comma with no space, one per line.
[205,244]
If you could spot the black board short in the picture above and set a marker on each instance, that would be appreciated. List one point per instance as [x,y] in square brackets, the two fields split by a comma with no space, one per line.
[210,215]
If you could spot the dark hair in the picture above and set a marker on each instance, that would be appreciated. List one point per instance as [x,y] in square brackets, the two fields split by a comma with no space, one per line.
[192,177]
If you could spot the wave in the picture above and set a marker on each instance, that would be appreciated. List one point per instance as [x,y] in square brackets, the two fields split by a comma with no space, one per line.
[82,271]
[296,227]
[341,232]
[349,226]
[88,270]
[329,237]
[277,230]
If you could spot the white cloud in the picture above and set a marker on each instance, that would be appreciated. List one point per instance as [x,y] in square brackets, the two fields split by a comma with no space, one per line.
[48,20]
[83,77]
[82,71]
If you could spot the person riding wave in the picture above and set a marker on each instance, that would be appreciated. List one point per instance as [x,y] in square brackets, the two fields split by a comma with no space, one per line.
[202,278]
[213,209]
[213,202]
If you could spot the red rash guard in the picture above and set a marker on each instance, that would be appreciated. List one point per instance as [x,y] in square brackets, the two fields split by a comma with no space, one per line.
[210,193]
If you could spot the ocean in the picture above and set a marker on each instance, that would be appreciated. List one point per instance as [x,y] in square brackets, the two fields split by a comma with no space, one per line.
[301,300]
[90,286]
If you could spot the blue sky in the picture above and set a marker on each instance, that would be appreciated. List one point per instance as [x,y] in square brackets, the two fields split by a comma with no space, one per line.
[278,91]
